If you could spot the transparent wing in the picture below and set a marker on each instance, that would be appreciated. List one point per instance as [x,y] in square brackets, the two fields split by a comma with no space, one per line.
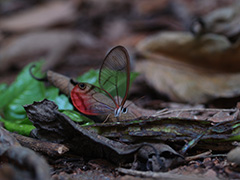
[91,100]
[114,74]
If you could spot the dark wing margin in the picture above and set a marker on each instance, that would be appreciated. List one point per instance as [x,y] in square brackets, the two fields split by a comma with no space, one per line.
[114,76]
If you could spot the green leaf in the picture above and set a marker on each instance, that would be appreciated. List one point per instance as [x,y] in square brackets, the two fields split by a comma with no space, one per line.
[3,87]
[24,90]
[19,127]
[90,77]
[77,117]
[62,101]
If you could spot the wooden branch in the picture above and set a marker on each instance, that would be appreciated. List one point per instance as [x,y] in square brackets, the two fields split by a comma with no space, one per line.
[51,149]
[160,175]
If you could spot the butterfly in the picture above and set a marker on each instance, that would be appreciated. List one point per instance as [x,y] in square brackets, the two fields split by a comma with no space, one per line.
[114,80]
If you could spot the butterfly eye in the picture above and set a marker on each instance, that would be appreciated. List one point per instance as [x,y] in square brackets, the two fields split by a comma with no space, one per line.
[82,86]
[124,110]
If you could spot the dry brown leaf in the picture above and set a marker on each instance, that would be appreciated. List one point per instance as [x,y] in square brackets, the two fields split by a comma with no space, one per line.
[45,15]
[52,45]
[225,21]
[184,84]
[210,51]
[146,7]
[189,69]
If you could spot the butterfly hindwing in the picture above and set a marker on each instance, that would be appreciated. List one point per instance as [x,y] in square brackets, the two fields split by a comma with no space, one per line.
[91,100]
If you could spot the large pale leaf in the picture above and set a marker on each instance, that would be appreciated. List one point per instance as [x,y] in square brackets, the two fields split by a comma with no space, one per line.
[188,69]
[210,51]
[183,84]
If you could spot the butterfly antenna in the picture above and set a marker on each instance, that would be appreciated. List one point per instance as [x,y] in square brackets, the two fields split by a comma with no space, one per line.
[34,77]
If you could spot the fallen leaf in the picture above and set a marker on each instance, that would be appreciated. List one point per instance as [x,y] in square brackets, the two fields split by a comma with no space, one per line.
[189,69]
[224,21]
[167,155]
[183,84]
[209,51]
[48,14]
[52,44]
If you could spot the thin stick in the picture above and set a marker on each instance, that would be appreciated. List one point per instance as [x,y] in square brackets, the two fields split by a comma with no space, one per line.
[159,175]
[51,149]
[202,155]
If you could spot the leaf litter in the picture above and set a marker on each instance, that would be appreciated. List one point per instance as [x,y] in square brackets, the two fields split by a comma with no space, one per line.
[18,161]
[156,141]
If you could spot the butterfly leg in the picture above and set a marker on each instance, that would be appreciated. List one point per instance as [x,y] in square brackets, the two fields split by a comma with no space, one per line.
[106,119]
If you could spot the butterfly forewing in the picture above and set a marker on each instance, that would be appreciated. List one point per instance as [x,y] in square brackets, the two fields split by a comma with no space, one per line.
[90,100]
[114,74]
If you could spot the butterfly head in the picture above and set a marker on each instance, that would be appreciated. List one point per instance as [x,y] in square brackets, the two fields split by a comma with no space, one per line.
[120,111]
[82,86]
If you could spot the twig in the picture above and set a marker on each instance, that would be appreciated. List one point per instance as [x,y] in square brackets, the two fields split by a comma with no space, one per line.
[160,175]
[51,149]
[202,155]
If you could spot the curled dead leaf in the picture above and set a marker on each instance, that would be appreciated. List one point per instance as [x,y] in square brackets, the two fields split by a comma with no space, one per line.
[160,152]
[210,51]
[187,69]
[224,21]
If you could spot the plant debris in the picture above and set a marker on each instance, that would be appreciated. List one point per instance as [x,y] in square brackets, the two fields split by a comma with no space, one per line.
[54,126]
[185,96]
[18,161]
